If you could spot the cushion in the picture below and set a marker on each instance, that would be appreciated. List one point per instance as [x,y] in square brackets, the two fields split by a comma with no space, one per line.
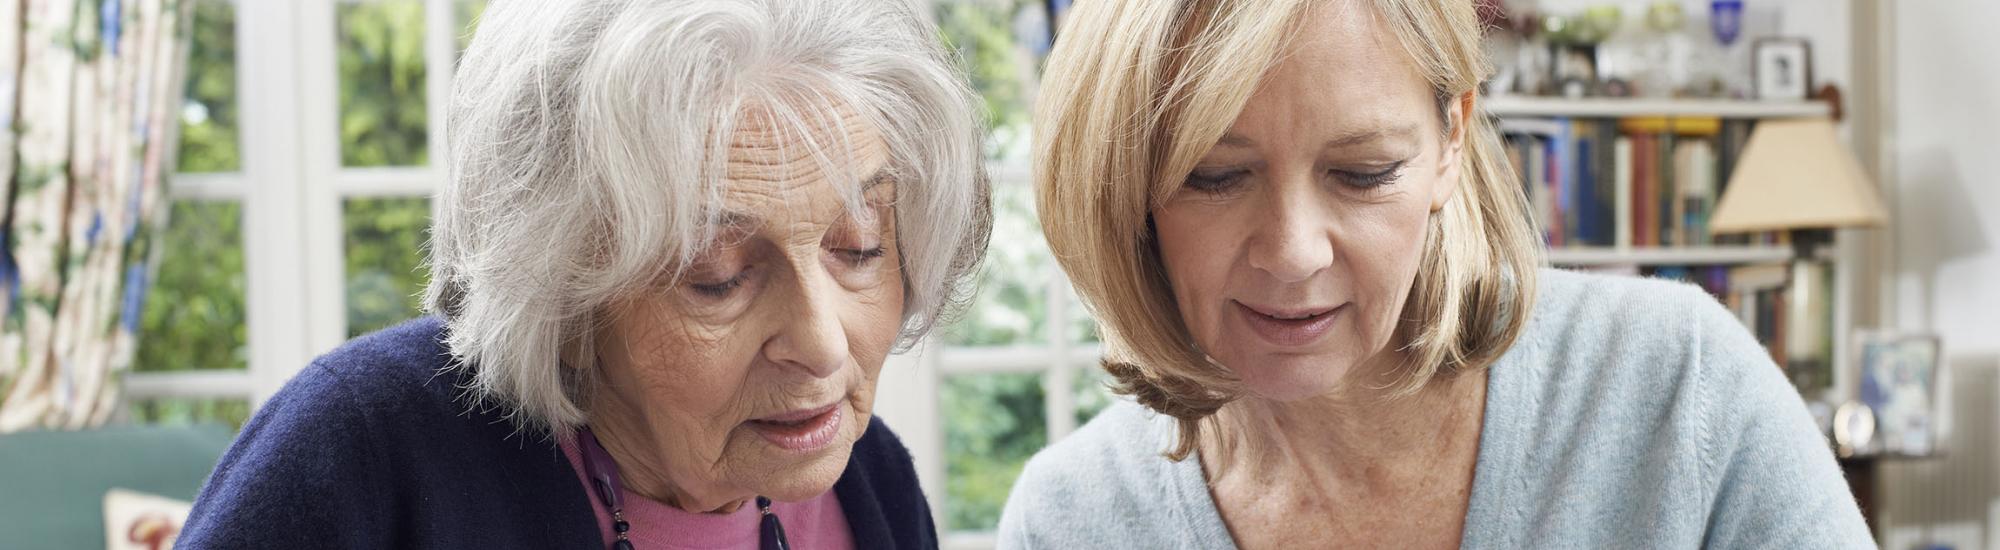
[139,521]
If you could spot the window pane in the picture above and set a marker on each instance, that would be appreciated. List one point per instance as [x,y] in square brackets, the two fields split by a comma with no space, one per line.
[1010,308]
[993,423]
[193,315]
[381,57]
[384,260]
[208,110]
[182,411]
[1001,43]
[1092,393]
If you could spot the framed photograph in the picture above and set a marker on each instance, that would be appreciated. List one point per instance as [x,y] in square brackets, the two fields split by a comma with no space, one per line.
[1781,69]
[1902,384]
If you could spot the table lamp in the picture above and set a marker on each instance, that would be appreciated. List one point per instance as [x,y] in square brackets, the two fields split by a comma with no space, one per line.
[1794,175]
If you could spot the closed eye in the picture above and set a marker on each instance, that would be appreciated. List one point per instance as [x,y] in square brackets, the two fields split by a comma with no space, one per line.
[1368,179]
[723,288]
[860,256]
[1216,181]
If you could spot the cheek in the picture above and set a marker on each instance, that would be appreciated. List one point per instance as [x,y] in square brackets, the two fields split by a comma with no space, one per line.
[1194,251]
[874,320]
[1383,255]
[677,370]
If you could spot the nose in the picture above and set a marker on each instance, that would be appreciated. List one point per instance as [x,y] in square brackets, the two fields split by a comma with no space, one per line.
[811,337]
[1291,244]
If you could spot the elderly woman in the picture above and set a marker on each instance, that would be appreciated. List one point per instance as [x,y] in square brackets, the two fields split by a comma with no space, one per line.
[1317,277]
[678,242]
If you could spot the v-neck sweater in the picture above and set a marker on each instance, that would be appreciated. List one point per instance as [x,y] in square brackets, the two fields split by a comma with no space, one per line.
[1630,413]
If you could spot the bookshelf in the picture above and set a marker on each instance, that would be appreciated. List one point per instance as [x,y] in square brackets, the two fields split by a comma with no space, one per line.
[1523,106]
[1628,186]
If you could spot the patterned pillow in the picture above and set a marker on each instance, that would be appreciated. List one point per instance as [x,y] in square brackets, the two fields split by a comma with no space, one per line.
[139,521]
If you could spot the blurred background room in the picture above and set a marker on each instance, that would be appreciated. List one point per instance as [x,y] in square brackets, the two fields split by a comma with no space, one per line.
[203,195]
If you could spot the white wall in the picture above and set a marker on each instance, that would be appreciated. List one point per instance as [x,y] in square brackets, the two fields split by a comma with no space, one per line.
[1947,188]
[1824,23]
[1944,272]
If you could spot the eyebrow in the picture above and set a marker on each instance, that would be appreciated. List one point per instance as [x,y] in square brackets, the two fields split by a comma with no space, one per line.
[881,177]
[1348,139]
[732,218]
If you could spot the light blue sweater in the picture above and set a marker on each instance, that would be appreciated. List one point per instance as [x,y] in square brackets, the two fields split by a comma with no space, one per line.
[1632,413]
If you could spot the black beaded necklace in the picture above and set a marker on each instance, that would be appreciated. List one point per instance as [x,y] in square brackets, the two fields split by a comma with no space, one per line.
[603,472]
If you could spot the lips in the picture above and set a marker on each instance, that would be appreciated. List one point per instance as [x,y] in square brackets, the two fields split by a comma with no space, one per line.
[1288,327]
[801,430]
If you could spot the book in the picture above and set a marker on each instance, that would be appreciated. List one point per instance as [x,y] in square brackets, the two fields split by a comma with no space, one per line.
[1618,183]
[1621,202]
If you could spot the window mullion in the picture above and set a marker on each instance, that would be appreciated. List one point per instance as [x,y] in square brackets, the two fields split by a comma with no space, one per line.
[208,186]
[319,128]
[270,88]
[1058,398]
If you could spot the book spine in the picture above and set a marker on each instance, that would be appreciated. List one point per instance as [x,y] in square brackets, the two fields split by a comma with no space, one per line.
[1663,192]
[1562,170]
[1700,193]
[1583,188]
[1621,202]
[1607,204]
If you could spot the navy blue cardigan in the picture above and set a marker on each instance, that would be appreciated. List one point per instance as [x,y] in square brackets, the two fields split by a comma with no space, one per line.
[371,447]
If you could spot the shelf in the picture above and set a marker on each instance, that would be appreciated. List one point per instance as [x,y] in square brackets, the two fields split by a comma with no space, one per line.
[1707,255]
[1529,106]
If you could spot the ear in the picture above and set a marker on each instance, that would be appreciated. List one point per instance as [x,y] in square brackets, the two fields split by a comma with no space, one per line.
[1458,112]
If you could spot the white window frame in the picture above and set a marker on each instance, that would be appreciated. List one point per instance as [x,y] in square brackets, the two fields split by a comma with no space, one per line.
[292,188]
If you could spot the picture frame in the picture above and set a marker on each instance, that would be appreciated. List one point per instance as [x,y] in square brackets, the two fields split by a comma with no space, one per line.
[1902,381]
[1781,69]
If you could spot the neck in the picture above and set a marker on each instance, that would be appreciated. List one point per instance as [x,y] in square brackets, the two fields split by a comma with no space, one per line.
[631,443]
[1360,435]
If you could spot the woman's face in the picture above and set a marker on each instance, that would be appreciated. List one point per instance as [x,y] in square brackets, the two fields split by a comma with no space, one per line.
[755,373]
[1293,243]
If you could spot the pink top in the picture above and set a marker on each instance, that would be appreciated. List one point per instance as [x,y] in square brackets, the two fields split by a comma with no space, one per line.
[814,523]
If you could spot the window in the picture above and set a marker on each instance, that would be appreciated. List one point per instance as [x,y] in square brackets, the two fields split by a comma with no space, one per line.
[1019,371]
[195,330]
[299,206]
[383,115]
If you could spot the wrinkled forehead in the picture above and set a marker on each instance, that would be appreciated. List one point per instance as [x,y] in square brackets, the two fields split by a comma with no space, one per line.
[792,165]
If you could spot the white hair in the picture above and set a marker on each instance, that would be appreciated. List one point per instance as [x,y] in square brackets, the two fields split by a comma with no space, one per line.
[588,141]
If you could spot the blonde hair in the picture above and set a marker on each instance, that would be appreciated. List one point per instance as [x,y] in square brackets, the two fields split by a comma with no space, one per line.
[586,164]
[1124,118]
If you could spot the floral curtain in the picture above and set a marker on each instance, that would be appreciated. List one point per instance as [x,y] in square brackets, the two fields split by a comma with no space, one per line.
[87,123]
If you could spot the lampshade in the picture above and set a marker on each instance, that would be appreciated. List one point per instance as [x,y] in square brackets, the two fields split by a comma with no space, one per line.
[1794,174]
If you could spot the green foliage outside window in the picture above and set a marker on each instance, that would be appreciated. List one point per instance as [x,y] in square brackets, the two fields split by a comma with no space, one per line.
[385,271]
[194,314]
[993,423]
[232,412]
[1010,306]
[208,117]
[981,32]
[194,317]
[383,119]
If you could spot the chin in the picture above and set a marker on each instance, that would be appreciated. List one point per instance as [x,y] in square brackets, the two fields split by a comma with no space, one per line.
[1288,377]
[795,477]
[807,480]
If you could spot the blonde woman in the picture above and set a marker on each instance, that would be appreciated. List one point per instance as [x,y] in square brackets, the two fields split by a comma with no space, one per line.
[1319,284]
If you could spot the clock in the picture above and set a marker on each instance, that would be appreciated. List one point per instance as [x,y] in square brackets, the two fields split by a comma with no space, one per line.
[1853,428]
